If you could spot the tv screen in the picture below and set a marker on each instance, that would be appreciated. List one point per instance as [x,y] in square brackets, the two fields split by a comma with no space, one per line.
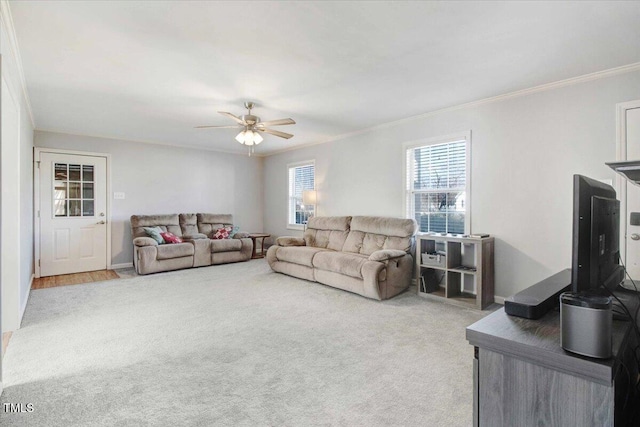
[596,236]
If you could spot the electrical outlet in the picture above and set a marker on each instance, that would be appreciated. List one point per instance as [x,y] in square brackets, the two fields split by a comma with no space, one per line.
[118,195]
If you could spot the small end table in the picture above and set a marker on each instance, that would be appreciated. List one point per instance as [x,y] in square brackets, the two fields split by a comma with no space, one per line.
[254,237]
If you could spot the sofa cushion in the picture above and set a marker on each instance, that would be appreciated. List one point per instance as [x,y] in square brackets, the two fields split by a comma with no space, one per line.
[195,236]
[340,262]
[370,234]
[302,255]
[188,223]
[398,227]
[164,222]
[155,233]
[328,232]
[226,245]
[209,223]
[177,250]
[329,239]
[340,223]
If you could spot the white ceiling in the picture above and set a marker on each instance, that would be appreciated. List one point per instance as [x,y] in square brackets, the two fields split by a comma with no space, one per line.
[151,71]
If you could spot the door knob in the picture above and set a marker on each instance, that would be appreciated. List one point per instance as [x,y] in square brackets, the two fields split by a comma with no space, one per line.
[101,222]
[635,236]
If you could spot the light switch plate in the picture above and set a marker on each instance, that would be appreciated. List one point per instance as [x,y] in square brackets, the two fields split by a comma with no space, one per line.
[118,195]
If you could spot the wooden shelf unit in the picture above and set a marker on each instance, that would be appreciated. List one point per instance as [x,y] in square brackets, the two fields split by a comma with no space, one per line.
[461,273]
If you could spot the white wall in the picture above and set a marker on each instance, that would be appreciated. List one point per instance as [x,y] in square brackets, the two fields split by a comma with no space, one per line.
[158,179]
[17,185]
[524,152]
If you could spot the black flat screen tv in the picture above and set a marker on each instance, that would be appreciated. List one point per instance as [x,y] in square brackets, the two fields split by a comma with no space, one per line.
[595,261]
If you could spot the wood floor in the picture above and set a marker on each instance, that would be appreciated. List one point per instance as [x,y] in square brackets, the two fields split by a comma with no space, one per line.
[74,279]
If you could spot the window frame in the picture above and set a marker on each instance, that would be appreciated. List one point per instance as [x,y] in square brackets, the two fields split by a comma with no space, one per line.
[290,166]
[408,201]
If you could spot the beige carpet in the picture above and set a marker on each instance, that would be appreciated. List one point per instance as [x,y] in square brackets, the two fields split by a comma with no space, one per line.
[236,345]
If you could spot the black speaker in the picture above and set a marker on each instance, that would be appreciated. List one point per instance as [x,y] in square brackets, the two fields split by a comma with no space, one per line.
[585,322]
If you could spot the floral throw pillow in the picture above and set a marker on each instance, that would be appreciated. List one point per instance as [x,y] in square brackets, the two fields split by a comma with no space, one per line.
[171,238]
[221,233]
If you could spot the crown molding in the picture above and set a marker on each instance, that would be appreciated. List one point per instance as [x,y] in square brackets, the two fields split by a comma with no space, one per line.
[7,22]
[523,92]
[142,141]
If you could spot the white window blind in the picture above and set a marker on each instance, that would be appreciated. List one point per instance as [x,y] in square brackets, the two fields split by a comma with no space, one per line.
[437,186]
[301,178]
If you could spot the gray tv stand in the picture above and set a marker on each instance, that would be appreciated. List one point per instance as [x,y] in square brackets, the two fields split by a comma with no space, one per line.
[522,377]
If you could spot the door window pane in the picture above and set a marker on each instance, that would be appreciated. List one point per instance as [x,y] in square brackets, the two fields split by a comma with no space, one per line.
[73,190]
[87,173]
[87,208]
[60,190]
[60,172]
[74,207]
[87,190]
[60,208]
[74,172]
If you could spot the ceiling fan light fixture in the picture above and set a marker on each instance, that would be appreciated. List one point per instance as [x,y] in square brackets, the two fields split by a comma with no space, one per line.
[240,137]
[249,137]
[252,127]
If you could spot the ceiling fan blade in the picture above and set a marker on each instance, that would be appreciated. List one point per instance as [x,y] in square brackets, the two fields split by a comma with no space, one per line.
[280,122]
[232,117]
[219,127]
[276,133]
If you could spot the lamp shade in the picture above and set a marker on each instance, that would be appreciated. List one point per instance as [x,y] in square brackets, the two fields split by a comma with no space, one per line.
[249,137]
[309,197]
[240,137]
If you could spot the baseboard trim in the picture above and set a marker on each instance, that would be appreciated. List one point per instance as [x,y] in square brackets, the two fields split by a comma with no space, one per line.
[120,266]
[26,301]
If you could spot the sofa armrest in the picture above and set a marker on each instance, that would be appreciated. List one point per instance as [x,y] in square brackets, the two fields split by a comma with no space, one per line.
[144,241]
[386,254]
[241,235]
[290,241]
[195,236]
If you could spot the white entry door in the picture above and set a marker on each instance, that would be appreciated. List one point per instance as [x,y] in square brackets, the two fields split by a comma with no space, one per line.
[73,203]
[632,234]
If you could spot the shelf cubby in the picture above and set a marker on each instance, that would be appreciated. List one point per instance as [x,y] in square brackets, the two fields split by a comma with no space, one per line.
[457,270]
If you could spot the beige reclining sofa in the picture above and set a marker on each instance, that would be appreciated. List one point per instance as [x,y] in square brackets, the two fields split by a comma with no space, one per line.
[367,255]
[197,249]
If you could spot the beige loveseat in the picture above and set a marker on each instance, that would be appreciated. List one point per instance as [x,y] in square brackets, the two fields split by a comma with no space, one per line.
[197,249]
[367,255]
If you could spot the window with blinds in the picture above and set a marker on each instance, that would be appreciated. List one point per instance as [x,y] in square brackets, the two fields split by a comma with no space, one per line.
[301,177]
[437,186]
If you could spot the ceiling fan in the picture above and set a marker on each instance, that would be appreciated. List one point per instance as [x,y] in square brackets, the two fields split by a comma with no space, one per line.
[252,127]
